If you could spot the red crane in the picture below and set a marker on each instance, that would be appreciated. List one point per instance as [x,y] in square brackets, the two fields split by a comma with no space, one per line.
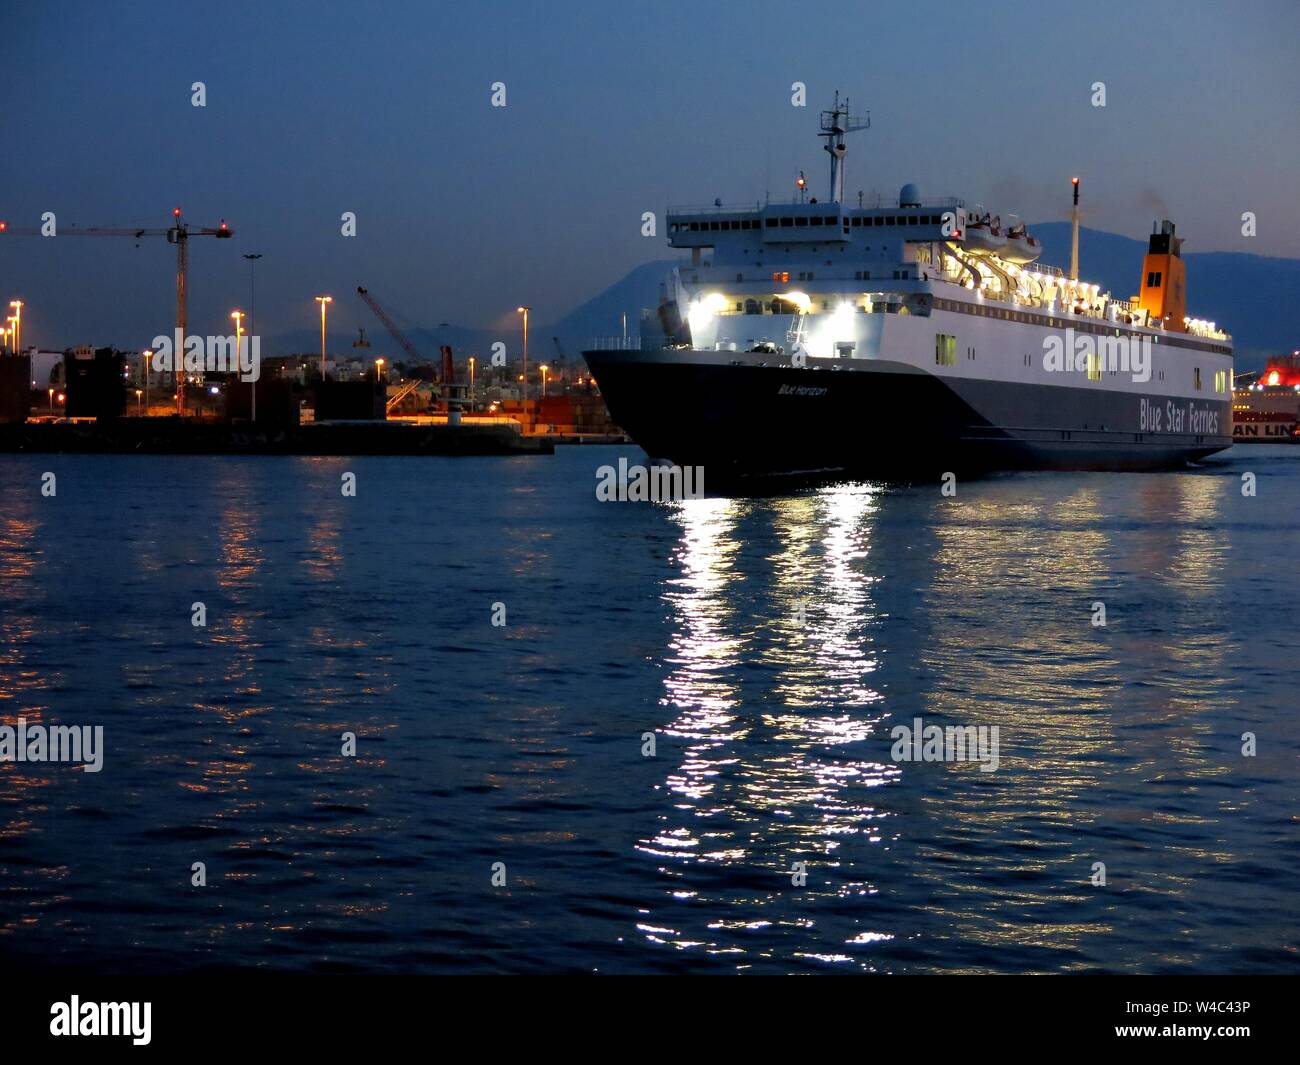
[178,233]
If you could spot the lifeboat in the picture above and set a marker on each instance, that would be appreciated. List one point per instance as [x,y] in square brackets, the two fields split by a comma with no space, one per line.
[984,236]
[1021,246]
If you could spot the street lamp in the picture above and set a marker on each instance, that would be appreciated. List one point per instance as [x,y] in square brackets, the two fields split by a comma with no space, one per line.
[145,356]
[238,316]
[323,301]
[17,305]
[379,369]
[524,311]
[51,401]
[543,368]
[471,383]
[138,409]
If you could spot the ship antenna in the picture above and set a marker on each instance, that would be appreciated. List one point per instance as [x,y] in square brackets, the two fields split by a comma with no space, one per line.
[1074,232]
[835,124]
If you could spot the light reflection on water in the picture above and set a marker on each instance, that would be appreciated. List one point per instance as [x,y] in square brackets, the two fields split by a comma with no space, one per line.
[768,644]
[785,722]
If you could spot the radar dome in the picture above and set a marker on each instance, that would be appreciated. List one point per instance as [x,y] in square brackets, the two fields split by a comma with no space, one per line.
[909,196]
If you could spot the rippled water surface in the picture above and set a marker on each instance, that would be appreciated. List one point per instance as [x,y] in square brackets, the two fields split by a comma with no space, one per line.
[625,623]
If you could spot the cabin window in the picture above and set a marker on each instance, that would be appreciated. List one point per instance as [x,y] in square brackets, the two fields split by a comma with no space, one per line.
[945,350]
[815,221]
[1094,366]
[800,222]
[1196,378]
[787,221]
[771,223]
[1220,380]
[1154,278]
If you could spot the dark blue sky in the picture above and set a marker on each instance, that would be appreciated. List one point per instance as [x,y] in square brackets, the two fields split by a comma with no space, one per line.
[465,211]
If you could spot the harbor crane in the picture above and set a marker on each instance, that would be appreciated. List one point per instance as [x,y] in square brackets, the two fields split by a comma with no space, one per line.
[178,233]
[447,375]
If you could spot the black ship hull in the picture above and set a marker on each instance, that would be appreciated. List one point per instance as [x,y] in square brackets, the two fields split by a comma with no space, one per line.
[746,418]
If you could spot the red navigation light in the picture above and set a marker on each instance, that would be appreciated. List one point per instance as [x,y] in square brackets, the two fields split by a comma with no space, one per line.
[3,226]
[176,212]
[1074,181]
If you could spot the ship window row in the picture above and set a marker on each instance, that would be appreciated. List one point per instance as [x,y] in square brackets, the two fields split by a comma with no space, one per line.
[898,220]
[1078,325]
[802,220]
[724,225]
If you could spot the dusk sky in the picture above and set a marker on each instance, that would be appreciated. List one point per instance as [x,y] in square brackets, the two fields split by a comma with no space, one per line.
[465,210]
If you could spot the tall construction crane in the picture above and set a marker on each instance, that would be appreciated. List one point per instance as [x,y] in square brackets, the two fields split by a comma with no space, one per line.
[178,233]
[448,372]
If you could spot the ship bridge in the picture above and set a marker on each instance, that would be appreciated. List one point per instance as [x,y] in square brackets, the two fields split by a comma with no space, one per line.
[724,228]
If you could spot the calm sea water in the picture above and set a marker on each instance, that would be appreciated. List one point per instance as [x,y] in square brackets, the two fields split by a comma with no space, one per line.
[522,744]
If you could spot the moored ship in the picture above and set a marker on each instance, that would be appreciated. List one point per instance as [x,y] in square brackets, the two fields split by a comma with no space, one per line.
[821,338]
[1266,405]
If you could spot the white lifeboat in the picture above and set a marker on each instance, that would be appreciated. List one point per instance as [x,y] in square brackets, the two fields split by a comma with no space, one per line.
[984,236]
[1021,247]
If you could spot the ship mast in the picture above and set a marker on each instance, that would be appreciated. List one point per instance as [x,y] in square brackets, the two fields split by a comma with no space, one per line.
[835,124]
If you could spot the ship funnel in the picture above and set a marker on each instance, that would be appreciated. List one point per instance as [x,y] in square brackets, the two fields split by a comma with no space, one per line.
[1163,294]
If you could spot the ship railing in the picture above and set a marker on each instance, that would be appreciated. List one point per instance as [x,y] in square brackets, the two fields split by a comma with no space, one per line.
[713,208]
[616,343]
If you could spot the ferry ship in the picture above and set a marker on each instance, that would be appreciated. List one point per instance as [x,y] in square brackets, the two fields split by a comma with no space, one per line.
[827,339]
[1266,405]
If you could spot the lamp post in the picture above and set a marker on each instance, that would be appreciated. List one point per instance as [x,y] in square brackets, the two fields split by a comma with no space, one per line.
[51,401]
[252,311]
[471,384]
[238,316]
[17,305]
[524,311]
[138,409]
[323,301]
[145,356]
[543,368]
